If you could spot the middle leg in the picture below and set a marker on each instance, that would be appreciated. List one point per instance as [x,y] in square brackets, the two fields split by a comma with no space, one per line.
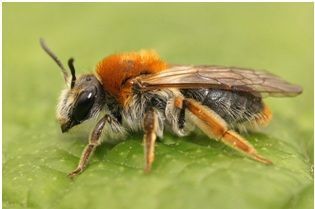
[150,125]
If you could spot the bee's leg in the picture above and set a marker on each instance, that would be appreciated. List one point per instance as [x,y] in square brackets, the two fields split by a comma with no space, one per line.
[150,125]
[214,126]
[93,143]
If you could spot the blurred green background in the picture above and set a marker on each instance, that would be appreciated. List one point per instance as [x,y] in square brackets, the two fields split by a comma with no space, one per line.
[191,172]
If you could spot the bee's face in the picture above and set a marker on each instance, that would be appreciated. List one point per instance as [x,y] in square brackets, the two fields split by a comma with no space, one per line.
[80,103]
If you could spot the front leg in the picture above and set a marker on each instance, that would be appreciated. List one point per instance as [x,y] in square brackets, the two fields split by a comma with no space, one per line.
[150,125]
[93,143]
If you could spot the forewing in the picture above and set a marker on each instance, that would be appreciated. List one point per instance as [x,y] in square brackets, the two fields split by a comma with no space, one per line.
[228,78]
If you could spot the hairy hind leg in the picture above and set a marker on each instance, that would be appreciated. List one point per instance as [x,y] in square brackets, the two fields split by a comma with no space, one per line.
[215,127]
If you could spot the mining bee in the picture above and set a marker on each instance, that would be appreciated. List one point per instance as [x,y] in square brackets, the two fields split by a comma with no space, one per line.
[139,91]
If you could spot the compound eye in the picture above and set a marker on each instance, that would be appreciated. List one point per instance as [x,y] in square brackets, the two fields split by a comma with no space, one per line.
[83,106]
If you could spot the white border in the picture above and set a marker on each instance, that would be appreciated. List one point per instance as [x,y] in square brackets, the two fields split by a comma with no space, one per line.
[143,1]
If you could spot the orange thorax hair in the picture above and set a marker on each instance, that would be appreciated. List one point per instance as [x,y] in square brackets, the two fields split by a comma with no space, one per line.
[115,70]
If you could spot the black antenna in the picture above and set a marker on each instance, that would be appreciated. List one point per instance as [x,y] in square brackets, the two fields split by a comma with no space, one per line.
[55,58]
[72,70]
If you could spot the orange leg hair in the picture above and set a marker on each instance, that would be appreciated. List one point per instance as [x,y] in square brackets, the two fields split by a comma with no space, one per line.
[215,127]
[150,124]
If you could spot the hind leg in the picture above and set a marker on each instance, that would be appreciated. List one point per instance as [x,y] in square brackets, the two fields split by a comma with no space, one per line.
[215,127]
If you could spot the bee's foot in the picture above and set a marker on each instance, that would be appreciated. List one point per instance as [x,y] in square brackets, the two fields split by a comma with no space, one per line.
[76,172]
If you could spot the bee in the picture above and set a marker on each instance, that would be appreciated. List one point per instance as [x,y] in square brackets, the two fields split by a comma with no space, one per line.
[139,91]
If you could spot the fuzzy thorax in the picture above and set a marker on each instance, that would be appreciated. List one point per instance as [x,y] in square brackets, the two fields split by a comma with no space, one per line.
[115,70]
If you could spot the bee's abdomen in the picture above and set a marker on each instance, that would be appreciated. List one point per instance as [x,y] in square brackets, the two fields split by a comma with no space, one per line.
[232,106]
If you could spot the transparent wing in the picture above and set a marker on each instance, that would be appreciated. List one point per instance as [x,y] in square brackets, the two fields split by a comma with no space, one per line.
[228,78]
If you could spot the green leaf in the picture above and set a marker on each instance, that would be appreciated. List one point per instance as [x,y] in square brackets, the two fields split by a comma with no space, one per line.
[188,172]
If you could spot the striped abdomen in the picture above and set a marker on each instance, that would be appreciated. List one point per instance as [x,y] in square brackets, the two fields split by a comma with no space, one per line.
[234,107]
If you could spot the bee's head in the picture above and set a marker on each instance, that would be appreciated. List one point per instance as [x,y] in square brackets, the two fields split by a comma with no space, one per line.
[82,99]
[81,102]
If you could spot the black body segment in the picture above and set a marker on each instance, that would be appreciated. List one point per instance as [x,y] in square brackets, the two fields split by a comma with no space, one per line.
[181,118]
[232,106]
